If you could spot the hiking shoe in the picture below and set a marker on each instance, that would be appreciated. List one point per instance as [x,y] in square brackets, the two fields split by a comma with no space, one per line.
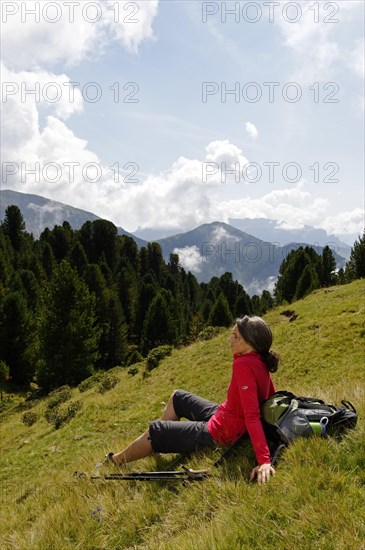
[107,460]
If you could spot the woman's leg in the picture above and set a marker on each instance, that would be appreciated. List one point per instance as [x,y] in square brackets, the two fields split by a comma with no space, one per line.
[169,412]
[141,447]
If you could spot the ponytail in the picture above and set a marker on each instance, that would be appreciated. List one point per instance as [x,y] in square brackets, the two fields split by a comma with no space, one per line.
[271,360]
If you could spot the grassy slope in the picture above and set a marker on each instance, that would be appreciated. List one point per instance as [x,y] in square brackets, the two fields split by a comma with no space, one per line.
[316,499]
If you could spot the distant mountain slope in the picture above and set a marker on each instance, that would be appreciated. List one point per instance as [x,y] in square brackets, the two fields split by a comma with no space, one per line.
[39,213]
[270,230]
[212,249]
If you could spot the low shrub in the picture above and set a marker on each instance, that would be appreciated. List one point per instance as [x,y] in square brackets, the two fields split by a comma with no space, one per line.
[58,396]
[91,381]
[135,357]
[107,383]
[156,355]
[59,416]
[29,418]
[208,333]
[26,405]
[132,370]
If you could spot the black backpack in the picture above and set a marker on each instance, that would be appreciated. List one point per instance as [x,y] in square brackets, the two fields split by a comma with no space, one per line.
[285,417]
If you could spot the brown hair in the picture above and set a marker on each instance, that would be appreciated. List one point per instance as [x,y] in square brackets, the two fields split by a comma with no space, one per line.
[257,333]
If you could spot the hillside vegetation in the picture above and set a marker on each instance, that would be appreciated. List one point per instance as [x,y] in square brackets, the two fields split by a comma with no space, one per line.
[315,501]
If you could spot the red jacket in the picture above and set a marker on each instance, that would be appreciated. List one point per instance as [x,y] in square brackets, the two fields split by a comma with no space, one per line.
[250,385]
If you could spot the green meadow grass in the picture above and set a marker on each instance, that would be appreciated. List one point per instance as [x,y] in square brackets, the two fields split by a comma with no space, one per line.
[315,501]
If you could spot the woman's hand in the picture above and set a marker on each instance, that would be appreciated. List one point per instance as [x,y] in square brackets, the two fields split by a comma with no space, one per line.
[263,473]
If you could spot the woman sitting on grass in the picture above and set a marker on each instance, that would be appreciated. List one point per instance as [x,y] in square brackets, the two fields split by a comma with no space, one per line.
[210,424]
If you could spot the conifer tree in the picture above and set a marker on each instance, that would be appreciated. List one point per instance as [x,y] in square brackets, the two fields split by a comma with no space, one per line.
[266,301]
[256,305]
[195,292]
[61,241]
[158,327]
[5,271]
[47,259]
[30,288]
[126,282]
[155,257]
[13,226]
[68,333]
[220,316]
[98,288]
[78,258]
[143,261]
[104,242]
[17,337]
[308,281]
[328,267]
[4,375]
[291,271]
[243,305]
[128,251]
[206,309]
[229,288]
[355,267]
[146,292]
[117,345]
[85,236]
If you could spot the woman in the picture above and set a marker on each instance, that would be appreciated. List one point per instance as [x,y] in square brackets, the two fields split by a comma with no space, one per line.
[210,424]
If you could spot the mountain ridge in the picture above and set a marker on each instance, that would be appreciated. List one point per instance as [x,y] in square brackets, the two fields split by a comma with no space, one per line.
[42,212]
[215,248]
[208,250]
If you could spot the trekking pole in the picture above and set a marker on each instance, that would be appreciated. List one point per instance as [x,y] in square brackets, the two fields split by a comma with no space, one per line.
[185,475]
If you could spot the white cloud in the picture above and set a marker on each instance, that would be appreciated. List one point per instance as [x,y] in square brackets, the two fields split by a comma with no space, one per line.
[219,235]
[351,221]
[317,41]
[223,151]
[178,197]
[34,134]
[42,211]
[251,130]
[355,58]
[189,258]
[29,43]
[257,287]
[26,93]
[134,23]
[293,206]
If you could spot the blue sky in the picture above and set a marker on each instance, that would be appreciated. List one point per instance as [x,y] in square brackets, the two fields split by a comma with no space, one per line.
[287,155]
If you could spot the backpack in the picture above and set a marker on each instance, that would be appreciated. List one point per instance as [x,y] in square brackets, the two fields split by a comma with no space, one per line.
[285,417]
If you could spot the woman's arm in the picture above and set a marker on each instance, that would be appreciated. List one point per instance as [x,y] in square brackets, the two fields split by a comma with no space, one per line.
[247,386]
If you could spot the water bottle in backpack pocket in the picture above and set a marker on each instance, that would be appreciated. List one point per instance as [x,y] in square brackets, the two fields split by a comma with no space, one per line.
[319,428]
